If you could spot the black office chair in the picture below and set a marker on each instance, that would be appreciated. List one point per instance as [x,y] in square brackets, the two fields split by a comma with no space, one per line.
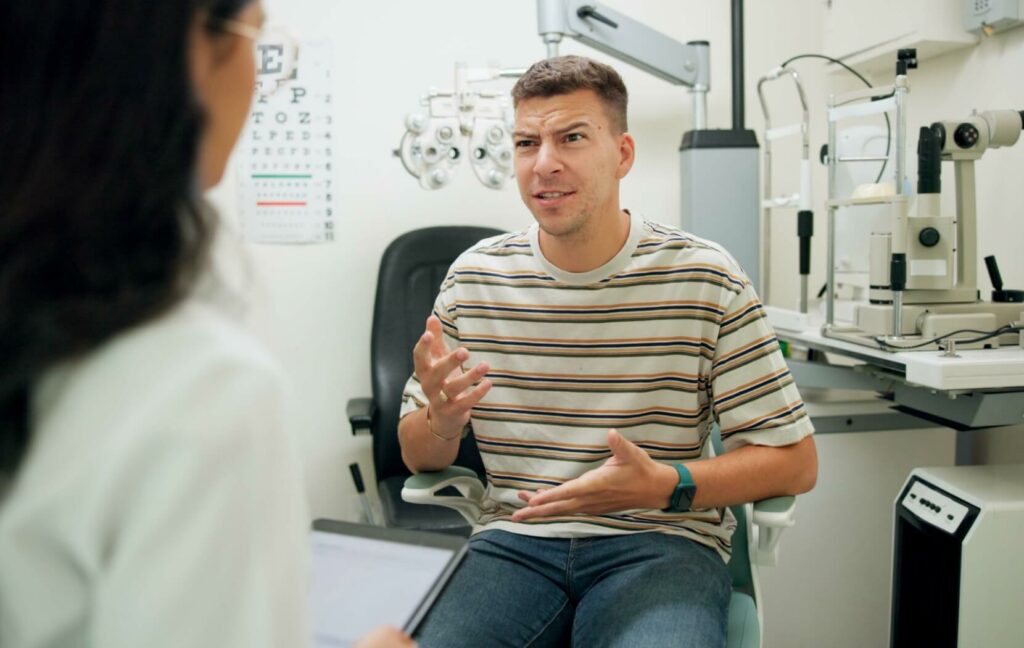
[411,272]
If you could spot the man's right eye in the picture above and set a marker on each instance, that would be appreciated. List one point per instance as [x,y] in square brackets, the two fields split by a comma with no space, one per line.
[523,143]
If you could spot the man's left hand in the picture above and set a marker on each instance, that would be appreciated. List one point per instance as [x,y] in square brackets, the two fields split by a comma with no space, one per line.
[629,480]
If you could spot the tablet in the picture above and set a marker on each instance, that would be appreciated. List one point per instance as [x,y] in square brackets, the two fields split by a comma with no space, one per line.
[366,576]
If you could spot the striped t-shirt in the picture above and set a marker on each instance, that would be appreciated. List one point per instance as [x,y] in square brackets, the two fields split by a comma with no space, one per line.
[658,343]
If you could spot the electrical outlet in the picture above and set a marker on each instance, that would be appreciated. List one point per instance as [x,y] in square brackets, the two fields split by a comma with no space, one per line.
[989,17]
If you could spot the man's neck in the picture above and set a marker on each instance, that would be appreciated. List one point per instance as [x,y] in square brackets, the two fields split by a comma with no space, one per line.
[591,247]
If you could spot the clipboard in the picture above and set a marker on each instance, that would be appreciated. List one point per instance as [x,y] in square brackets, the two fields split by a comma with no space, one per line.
[365,576]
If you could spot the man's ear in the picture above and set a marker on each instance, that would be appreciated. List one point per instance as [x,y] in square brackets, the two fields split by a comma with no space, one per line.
[627,154]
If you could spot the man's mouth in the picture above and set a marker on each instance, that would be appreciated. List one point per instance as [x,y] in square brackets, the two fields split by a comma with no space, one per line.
[552,197]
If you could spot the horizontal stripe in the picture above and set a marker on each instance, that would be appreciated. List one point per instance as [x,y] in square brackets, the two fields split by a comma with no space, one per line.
[707,306]
[678,317]
[625,347]
[661,275]
[637,383]
[784,416]
[553,451]
[722,364]
[560,456]
[577,447]
[594,314]
[768,389]
[775,380]
[630,283]
[517,480]
[589,419]
[730,320]
[736,323]
[619,523]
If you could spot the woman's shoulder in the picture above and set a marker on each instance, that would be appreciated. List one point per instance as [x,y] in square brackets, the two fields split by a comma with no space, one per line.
[193,367]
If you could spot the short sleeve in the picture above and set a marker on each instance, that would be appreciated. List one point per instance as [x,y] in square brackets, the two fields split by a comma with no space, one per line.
[753,395]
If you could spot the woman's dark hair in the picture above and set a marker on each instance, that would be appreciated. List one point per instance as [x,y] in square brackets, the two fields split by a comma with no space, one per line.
[101,225]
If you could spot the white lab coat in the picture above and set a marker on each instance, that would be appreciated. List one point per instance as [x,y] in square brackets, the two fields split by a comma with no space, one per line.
[161,502]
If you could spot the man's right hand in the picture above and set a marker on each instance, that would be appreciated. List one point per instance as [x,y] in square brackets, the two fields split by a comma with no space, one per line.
[452,392]
[386,637]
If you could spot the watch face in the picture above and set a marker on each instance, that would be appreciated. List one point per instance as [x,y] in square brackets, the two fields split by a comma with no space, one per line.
[685,499]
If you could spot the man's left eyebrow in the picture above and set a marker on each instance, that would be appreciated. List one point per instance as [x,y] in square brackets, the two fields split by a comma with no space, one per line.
[573,126]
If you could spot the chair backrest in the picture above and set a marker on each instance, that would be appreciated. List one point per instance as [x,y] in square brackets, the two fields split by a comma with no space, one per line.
[411,272]
[739,564]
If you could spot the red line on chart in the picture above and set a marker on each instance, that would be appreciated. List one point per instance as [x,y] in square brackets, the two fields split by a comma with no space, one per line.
[281,203]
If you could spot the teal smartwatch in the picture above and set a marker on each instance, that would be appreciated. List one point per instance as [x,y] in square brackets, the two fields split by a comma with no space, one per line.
[682,497]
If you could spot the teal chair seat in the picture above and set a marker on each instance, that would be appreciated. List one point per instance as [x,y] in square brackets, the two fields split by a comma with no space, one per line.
[744,629]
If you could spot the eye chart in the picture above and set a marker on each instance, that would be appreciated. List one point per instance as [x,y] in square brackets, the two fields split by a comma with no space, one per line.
[285,176]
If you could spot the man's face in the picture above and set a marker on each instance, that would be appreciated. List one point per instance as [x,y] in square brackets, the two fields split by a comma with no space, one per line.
[569,160]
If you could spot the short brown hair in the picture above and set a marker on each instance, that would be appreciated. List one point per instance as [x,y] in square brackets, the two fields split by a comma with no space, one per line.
[565,74]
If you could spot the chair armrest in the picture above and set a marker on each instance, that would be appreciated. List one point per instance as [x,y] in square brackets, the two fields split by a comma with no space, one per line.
[770,517]
[360,413]
[422,488]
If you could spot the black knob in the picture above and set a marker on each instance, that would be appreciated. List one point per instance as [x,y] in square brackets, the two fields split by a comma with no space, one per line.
[929,237]
[966,136]
[590,11]
[898,271]
[940,134]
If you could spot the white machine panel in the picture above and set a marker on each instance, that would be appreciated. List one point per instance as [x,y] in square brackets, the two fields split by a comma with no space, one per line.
[934,507]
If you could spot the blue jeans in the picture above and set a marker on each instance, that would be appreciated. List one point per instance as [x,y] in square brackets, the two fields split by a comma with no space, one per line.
[647,589]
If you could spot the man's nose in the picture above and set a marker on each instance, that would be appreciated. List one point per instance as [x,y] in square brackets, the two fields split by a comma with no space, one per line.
[547,161]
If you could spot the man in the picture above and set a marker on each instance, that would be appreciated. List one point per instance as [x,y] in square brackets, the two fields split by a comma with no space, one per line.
[594,319]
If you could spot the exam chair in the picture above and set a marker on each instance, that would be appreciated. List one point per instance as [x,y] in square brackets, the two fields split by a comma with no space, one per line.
[411,271]
[754,543]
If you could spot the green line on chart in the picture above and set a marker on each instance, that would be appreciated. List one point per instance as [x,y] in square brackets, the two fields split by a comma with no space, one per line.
[281,175]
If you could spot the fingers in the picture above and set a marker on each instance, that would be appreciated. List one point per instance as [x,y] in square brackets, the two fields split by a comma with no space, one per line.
[437,345]
[432,372]
[620,446]
[527,495]
[421,359]
[442,369]
[625,452]
[455,386]
[386,637]
[569,490]
[468,400]
[430,346]
[571,505]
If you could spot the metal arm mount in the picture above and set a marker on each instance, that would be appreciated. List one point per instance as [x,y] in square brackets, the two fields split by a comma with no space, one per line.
[618,35]
[802,200]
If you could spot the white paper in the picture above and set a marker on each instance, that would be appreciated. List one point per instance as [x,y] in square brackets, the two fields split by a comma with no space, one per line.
[361,583]
[285,173]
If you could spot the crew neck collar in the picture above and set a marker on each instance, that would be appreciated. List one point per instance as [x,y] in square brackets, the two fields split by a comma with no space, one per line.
[612,267]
